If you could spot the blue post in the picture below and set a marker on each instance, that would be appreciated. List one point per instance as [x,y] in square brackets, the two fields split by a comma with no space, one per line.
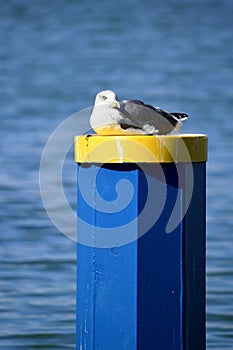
[140,285]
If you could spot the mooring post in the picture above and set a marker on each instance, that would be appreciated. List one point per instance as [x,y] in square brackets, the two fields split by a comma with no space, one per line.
[141,242]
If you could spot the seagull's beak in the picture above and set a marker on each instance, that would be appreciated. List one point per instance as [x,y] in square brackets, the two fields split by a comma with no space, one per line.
[116,104]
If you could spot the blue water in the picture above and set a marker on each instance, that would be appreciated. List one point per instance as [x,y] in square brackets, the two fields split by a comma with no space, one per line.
[54,57]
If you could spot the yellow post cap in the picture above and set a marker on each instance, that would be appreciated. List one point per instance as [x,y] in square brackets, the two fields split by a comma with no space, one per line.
[140,148]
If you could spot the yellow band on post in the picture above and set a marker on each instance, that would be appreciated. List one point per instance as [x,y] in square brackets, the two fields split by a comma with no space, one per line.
[140,148]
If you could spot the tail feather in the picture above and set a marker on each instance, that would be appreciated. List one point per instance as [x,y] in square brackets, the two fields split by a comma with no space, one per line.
[180,116]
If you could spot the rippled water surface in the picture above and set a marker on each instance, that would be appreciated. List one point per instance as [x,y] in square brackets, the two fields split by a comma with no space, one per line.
[54,57]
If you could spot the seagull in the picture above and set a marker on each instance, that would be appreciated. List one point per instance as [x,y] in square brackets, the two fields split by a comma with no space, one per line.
[110,117]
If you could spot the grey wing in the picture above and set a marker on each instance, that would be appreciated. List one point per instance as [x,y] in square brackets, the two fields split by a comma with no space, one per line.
[147,117]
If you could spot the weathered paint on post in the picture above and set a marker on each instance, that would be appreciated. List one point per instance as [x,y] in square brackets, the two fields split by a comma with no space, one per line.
[143,289]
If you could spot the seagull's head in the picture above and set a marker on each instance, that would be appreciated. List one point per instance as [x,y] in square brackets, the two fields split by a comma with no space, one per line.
[107,97]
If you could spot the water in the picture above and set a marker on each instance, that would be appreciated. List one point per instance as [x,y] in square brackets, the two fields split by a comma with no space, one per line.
[54,57]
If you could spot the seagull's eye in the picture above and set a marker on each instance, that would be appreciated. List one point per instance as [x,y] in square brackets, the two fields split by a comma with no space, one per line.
[103,98]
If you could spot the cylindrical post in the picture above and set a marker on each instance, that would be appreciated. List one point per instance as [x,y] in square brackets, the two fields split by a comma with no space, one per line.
[141,242]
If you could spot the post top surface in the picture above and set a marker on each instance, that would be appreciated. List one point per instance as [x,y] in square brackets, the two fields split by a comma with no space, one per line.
[95,148]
